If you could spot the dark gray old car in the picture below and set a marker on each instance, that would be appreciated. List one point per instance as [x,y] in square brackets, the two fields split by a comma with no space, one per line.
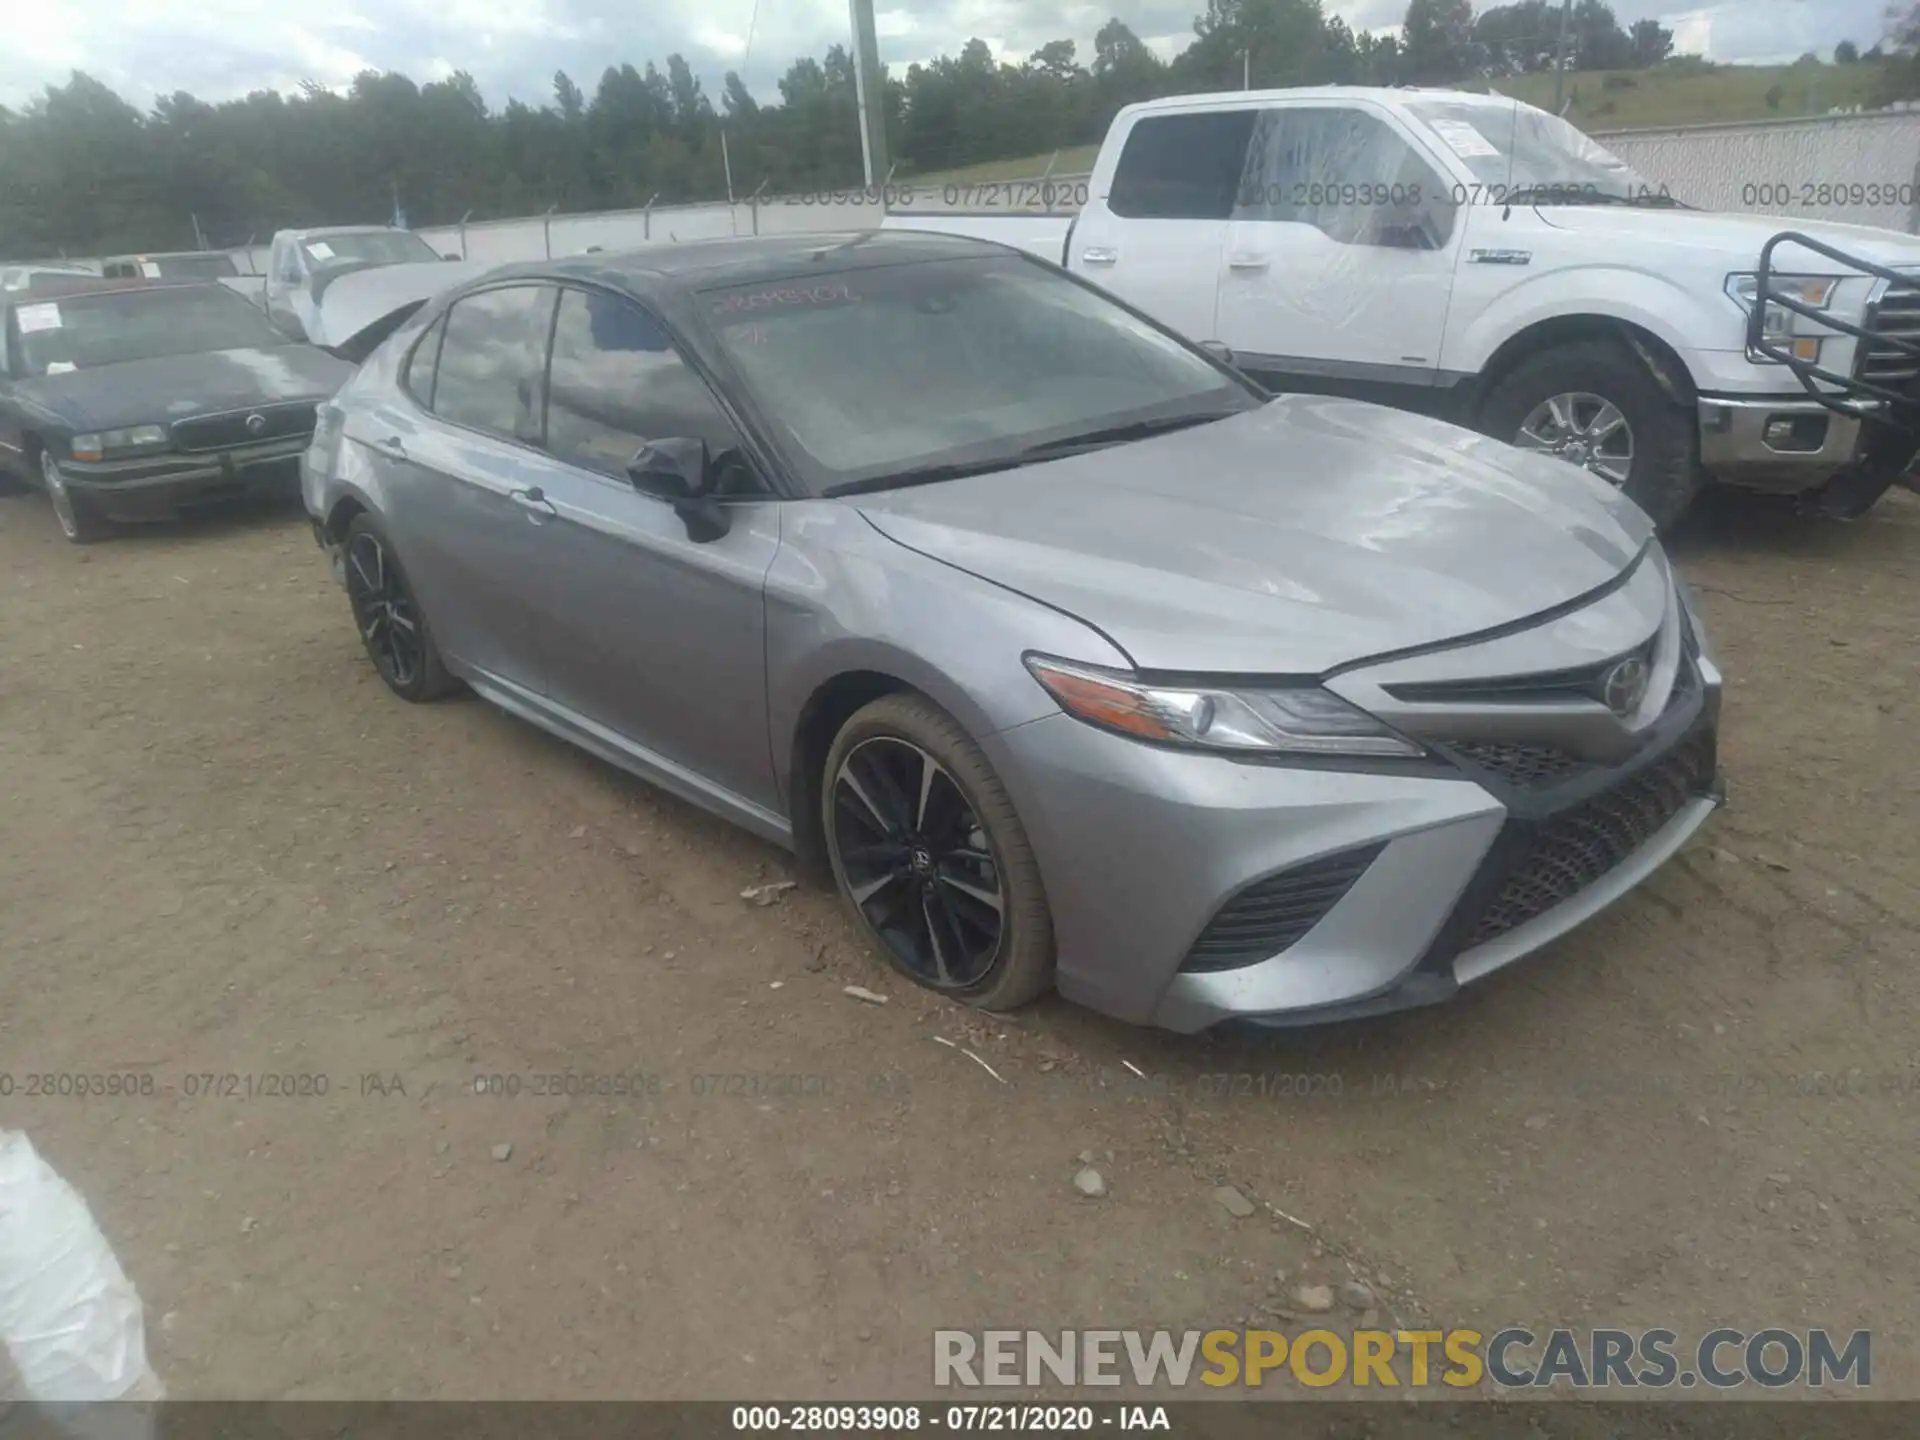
[132,401]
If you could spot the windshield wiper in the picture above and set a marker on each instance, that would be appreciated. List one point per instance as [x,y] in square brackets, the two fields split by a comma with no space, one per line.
[1032,455]
[925,475]
[1551,194]
[1120,434]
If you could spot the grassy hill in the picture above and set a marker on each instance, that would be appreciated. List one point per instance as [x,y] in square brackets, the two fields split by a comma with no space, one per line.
[1602,100]
[1649,99]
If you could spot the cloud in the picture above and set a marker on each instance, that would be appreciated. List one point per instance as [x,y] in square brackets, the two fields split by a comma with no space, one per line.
[221,48]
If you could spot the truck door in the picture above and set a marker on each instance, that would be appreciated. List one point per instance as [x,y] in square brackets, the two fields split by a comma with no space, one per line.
[1154,236]
[1339,256]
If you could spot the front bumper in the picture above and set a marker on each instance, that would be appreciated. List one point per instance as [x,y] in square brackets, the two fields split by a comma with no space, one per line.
[1143,849]
[1784,444]
[156,486]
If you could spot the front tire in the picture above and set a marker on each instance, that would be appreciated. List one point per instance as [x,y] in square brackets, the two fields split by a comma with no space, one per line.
[79,521]
[392,626]
[932,860]
[1594,403]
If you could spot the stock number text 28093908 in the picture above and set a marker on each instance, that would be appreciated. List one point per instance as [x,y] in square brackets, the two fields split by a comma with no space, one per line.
[897,1419]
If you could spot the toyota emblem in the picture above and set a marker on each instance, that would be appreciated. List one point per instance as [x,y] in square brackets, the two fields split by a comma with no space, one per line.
[1625,686]
[256,424]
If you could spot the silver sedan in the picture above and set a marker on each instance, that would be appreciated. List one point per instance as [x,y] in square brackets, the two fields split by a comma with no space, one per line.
[1071,657]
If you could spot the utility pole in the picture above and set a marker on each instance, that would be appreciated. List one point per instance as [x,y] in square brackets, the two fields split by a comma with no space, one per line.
[1246,68]
[870,92]
[1560,56]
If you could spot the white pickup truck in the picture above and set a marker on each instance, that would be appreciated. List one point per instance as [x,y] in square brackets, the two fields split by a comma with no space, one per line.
[1480,259]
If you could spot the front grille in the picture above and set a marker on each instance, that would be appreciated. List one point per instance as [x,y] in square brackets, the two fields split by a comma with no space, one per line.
[1271,914]
[1897,314]
[1543,687]
[1516,764]
[1567,853]
[226,432]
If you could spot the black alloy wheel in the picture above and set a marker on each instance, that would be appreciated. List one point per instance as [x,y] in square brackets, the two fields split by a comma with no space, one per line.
[917,863]
[388,617]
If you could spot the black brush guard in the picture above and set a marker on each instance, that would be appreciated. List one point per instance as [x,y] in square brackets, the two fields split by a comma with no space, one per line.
[1900,408]
[1892,414]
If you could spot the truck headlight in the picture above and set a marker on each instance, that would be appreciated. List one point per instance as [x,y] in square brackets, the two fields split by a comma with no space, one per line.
[98,444]
[1280,719]
[1797,334]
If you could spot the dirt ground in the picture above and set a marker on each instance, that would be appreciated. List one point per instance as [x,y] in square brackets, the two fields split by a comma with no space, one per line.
[226,851]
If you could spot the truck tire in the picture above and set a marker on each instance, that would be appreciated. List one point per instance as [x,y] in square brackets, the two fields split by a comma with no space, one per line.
[1594,403]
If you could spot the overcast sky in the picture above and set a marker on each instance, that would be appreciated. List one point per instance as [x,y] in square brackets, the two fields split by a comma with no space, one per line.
[221,48]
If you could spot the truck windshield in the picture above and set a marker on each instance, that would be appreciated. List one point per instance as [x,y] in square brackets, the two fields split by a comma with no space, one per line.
[367,247]
[902,373]
[80,332]
[1515,148]
[207,266]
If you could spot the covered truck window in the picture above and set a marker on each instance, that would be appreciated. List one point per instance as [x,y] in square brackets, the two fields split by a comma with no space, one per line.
[1348,174]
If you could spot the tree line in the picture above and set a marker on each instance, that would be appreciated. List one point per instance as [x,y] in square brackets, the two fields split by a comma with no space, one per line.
[84,172]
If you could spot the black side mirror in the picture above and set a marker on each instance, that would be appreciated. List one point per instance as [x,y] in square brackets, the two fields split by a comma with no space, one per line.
[449,256]
[679,470]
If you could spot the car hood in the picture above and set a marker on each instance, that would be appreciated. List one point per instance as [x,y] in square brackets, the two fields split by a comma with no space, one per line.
[1739,237]
[1290,540]
[175,387]
[352,302]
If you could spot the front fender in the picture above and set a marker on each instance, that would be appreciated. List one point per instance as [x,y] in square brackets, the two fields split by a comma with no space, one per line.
[842,598]
[1678,315]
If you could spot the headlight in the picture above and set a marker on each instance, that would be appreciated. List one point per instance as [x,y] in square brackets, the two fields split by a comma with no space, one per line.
[1282,720]
[1781,326]
[97,444]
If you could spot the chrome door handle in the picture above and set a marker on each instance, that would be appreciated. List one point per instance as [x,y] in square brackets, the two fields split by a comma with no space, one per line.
[1249,262]
[1099,255]
[534,502]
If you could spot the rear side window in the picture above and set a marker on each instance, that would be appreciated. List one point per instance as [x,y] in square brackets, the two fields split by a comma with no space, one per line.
[493,361]
[617,382]
[1182,167]
[418,379]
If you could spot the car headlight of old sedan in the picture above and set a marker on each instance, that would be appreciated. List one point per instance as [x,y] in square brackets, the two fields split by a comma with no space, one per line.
[130,440]
[1275,720]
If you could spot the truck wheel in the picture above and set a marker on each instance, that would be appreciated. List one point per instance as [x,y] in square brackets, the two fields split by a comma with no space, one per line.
[1594,404]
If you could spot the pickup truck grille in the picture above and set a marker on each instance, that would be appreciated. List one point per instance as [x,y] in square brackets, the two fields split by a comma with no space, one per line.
[230,430]
[1897,313]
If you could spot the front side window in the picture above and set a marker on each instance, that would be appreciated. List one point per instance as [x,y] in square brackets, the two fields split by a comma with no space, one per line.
[862,375]
[1347,173]
[492,359]
[1181,167]
[617,382]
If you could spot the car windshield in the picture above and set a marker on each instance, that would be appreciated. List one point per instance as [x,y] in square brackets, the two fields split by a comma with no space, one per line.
[19,277]
[366,247]
[1511,147]
[874,375]
[80,332]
